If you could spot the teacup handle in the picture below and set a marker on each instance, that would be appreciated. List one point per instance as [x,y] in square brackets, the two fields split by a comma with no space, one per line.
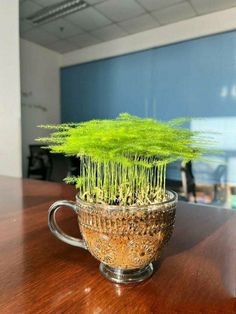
[56,230]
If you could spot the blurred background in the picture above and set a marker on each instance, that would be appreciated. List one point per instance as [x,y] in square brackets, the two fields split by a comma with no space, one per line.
[74,60]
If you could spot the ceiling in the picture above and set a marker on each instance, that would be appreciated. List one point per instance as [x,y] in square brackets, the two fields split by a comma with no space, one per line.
[105,20]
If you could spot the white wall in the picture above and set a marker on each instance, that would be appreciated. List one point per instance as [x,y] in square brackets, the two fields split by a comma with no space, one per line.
[10,127]
[40,92]
[209,24]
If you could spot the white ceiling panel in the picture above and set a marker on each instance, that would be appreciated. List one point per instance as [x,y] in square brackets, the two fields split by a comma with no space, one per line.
[157,4]
[206,6]
[62,46]
[105,20]
[92,2]
[83,40]
[39,36]
[27,8]
[88,19]
[62,28]
[47,3]
[174,13]
[139,24]
[120,10]
[110,32]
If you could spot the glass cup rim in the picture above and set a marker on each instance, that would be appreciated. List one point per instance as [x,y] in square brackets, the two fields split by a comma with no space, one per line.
[151,206]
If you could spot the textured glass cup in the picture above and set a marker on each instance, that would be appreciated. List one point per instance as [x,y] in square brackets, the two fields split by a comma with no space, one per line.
[124,239]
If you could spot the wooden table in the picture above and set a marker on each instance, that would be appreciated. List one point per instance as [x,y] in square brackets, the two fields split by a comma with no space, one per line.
[40,274]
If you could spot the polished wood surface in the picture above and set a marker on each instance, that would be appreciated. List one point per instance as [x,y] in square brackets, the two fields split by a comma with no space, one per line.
[40,274]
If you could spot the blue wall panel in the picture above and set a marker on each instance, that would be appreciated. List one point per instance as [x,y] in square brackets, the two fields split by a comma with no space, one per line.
[105,88]
[193,78]
[196,78]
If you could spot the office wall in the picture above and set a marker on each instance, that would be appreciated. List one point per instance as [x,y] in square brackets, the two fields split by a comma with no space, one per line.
[195,78]
[10,114]
[40,92]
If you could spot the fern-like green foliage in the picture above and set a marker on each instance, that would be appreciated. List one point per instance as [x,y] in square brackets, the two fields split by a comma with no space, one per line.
[123,161]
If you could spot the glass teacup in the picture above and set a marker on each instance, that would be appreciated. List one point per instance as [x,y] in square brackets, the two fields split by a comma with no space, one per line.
[125,239]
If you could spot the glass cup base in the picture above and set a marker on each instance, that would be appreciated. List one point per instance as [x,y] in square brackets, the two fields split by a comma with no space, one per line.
[119,275]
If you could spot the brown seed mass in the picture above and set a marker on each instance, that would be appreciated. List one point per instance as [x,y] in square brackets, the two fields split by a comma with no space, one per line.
[126,239]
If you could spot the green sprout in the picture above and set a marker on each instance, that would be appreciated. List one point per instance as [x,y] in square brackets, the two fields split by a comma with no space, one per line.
[123,161]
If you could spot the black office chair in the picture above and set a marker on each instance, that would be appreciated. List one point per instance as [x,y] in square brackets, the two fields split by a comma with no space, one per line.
[39,163]
[186,185]
[44,165]
[220,176]
[62,166]
[74,166]
[188,181]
